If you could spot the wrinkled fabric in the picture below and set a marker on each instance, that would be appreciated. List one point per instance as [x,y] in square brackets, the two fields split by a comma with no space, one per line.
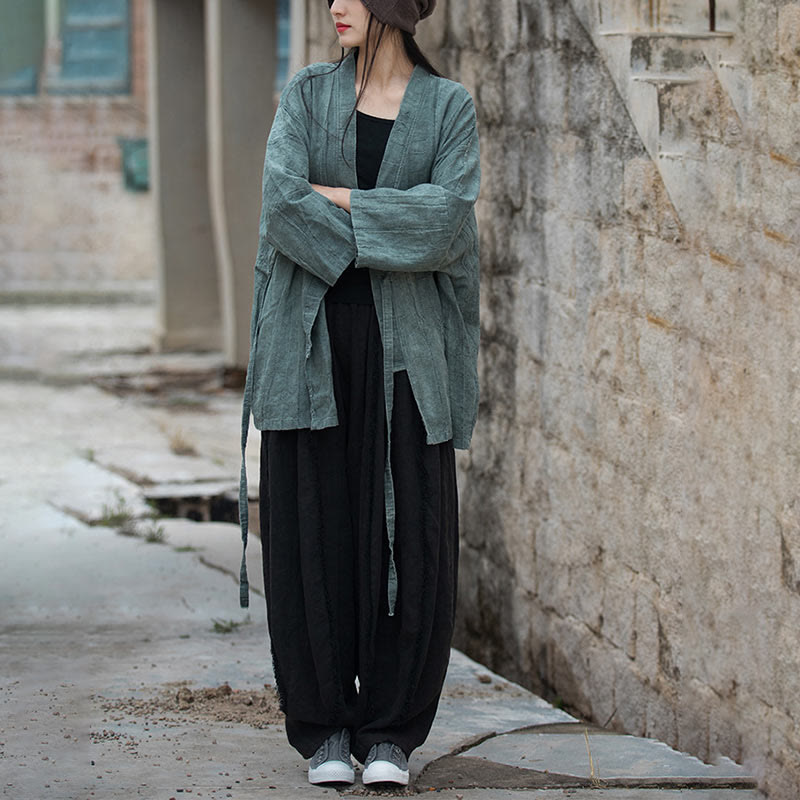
[416,233]
[325,558]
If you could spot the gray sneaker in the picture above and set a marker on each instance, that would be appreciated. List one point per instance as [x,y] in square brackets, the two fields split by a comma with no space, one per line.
[386,763]
[331,763]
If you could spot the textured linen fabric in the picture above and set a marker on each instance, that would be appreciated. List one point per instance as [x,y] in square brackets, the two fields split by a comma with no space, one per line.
[403,14]
[326,558]
[416,233]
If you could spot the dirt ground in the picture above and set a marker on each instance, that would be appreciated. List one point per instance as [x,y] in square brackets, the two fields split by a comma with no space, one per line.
[179,703]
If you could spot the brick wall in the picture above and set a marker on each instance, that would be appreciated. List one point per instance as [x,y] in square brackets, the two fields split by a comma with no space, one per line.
[65,217]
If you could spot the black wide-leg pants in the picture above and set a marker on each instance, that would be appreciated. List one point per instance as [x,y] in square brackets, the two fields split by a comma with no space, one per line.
[340,660]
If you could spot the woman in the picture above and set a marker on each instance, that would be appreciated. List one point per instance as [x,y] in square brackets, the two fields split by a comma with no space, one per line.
[362,379]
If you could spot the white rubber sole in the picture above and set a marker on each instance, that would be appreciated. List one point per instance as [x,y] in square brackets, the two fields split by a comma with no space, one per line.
[332,772]
[385,772]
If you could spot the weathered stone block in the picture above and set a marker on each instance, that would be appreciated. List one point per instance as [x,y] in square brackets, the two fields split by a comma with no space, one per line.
[572,173]
[534,324]
[585,598]
[780,206]
[489,98]
[601,682]
[621,268]
[568,661]
[539,177]
[538,22]
[656,361]
[647,642]
[661,719]
[558,252]
[587,78]
[777,95]
[725,739]
[520,78]
[603,354]
[619,502]
[509,28]
[645,200]
[607,178]
[481,26]
[458,25]
[619,611]
[629,695]
[550,88]
[672,287]
[515,169]
[693,719]
[789,34]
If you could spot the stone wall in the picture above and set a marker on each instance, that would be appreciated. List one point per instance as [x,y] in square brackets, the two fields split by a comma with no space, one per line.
[630,509]
[66,219]
[630,504]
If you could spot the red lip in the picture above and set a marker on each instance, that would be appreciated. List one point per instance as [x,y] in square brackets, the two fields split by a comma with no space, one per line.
[341,28]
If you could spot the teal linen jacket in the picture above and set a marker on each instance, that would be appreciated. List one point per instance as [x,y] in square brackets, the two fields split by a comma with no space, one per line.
[416,233]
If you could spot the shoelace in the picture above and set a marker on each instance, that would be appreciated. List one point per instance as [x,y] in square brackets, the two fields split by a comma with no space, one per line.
[328,749]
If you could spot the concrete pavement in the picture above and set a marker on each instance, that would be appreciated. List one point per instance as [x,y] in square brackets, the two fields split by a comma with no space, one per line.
[118,630]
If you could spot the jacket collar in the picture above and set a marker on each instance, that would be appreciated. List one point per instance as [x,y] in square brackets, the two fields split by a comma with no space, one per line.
[397,146]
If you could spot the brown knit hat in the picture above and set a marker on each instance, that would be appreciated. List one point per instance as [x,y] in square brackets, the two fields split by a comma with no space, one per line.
[403,14]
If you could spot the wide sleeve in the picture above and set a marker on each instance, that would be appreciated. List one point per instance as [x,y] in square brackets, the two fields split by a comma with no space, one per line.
[296,220]
[421,228]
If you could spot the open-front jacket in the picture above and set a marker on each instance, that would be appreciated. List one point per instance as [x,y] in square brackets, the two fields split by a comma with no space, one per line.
[415,232]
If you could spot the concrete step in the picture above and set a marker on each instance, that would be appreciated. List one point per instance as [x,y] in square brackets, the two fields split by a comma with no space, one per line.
[87,240]
[671,52]
[76,292]
[624,15]
[684,15]
[665,78]
[46,265]
[685,89]
[574,755]
[686,105]
[687,16]
[693,113]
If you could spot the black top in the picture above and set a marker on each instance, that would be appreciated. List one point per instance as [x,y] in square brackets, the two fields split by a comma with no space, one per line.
[372,134]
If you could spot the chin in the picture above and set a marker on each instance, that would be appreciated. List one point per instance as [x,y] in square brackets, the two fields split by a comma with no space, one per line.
[348,40]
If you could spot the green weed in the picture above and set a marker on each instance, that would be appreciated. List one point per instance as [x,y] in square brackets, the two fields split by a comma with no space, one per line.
[228,625]
[154,533]
[116,514]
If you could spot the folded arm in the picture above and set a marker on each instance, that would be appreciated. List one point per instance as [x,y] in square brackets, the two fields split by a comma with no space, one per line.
[338,195]
[295,219]
[421,228]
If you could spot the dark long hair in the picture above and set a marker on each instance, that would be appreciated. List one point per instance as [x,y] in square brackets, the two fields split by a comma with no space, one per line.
[377,29]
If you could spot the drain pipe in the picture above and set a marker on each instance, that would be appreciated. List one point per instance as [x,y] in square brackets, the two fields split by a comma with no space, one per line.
[712,15]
